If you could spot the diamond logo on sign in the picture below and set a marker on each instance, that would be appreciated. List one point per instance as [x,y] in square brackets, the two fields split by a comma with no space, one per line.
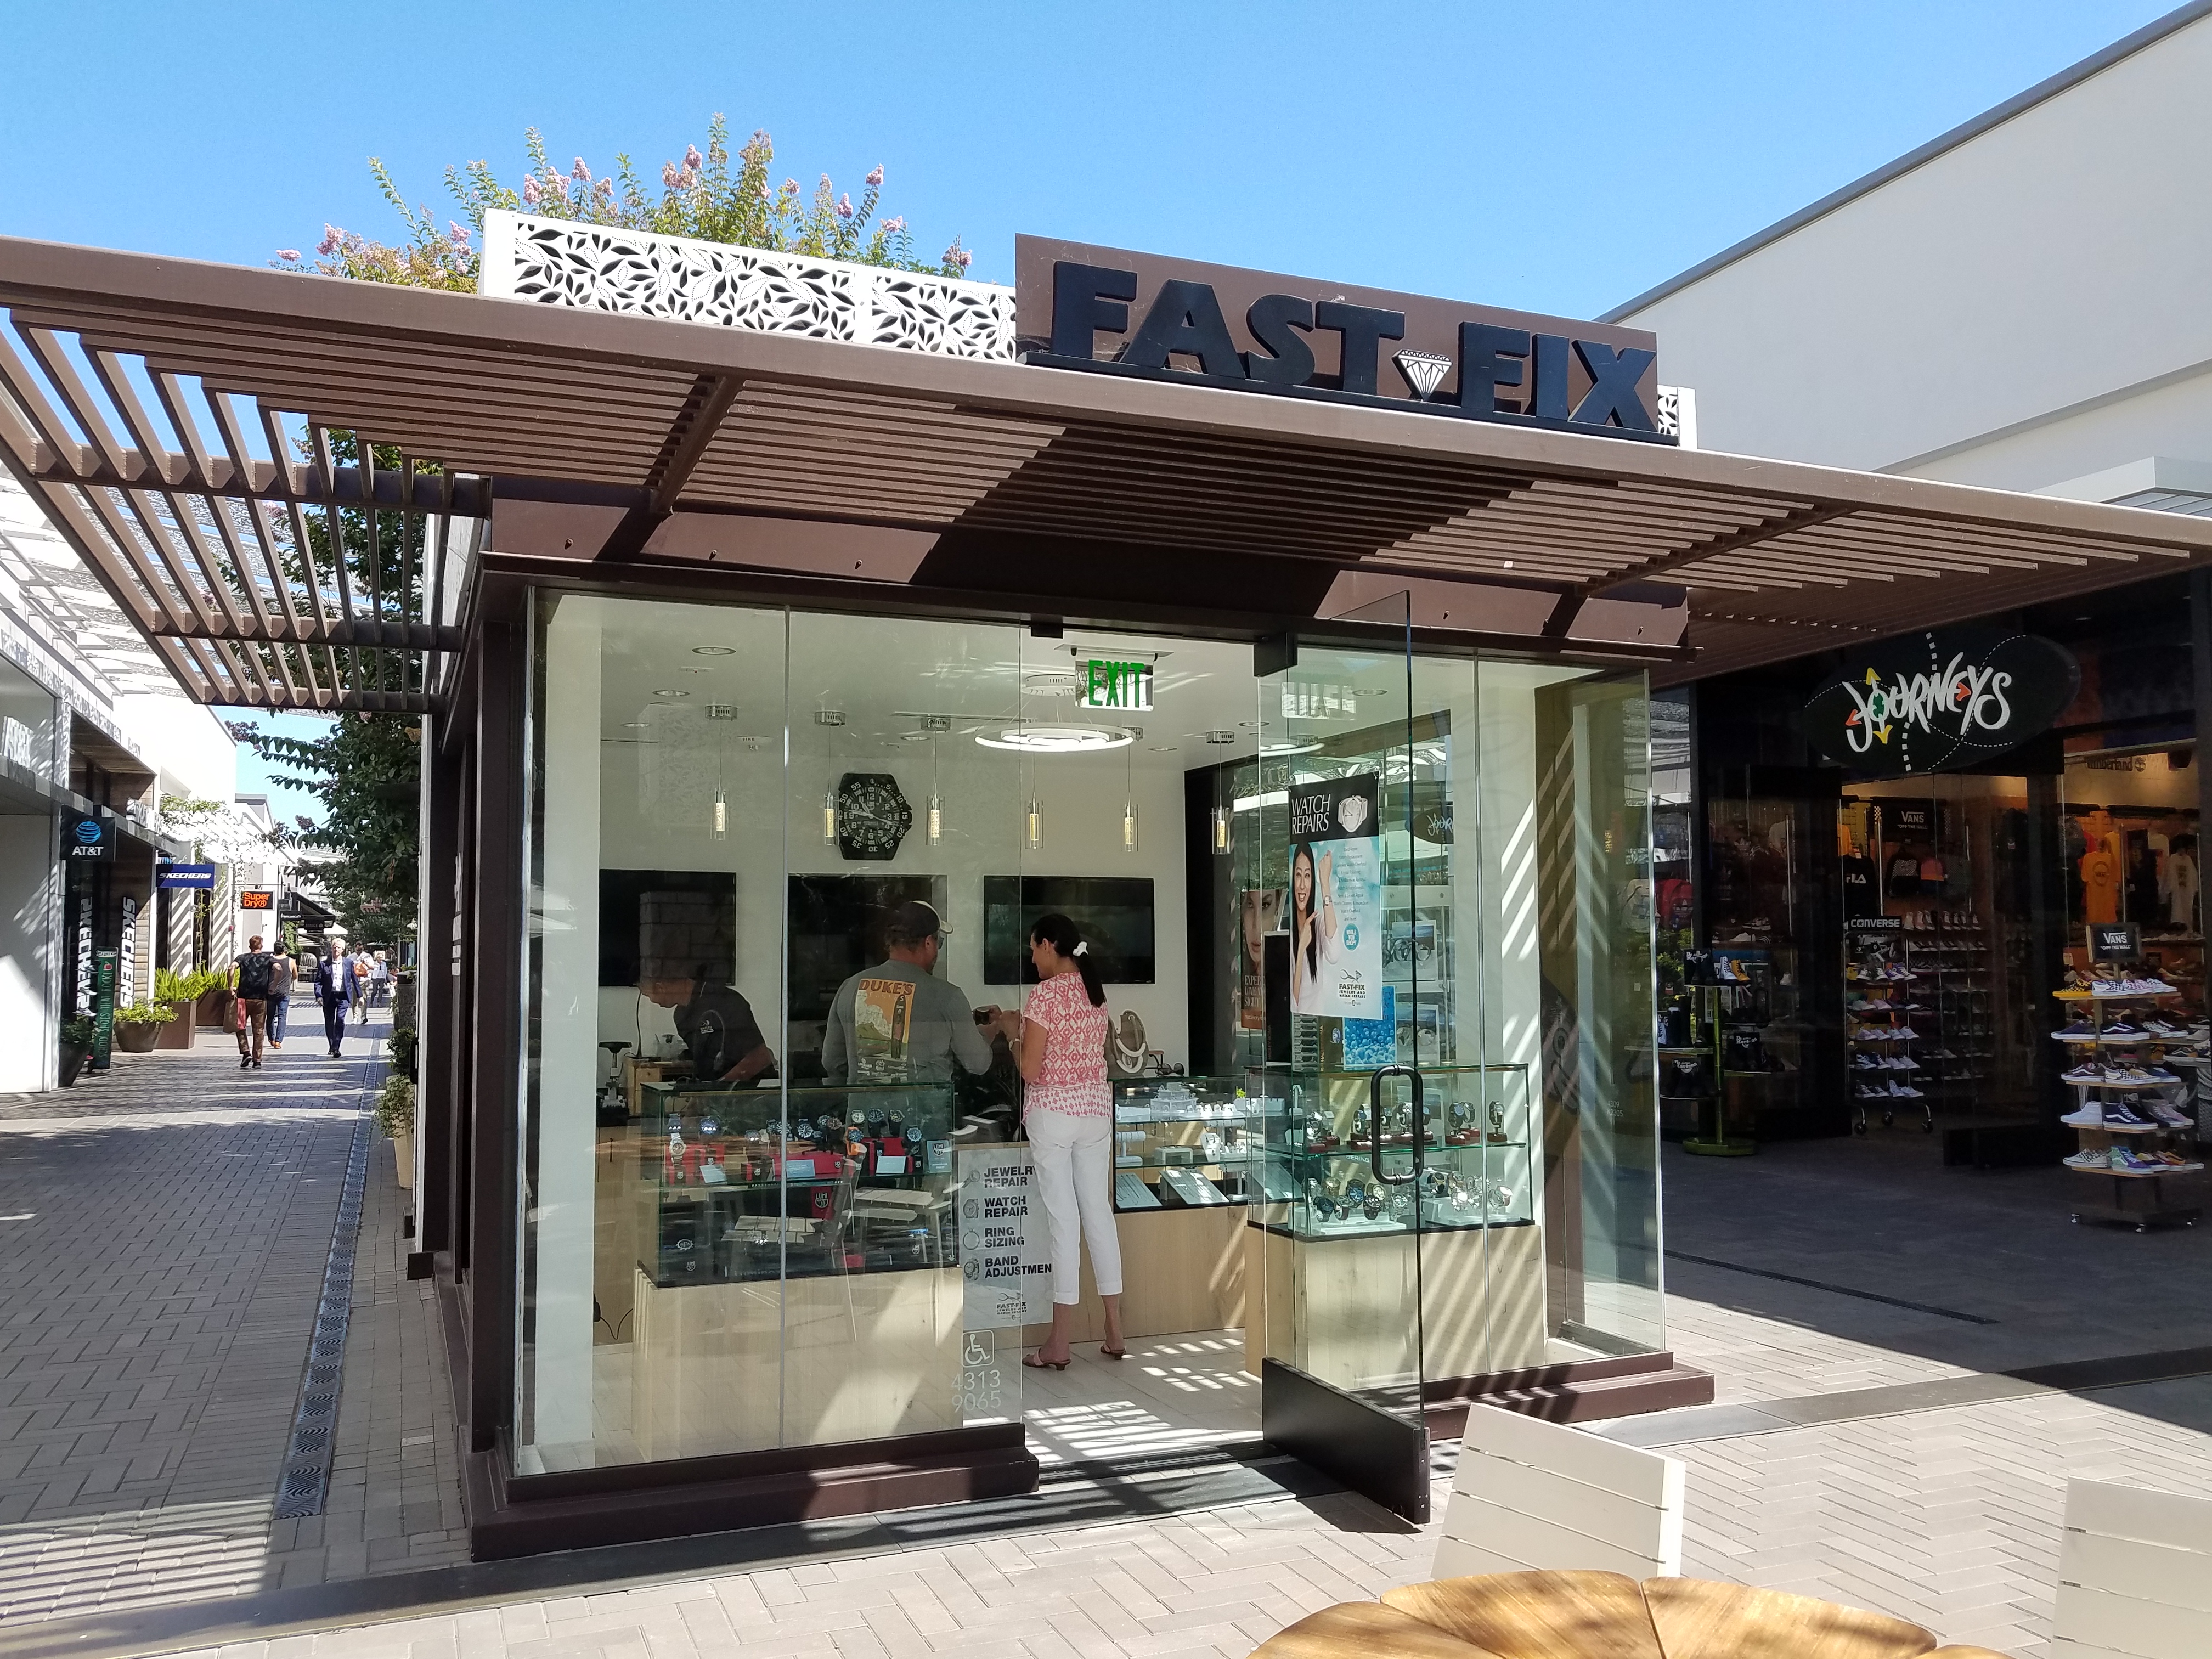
[1122,687]
[1424,371]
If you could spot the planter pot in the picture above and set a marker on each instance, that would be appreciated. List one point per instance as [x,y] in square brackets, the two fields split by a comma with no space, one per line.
[73,1062]
[213,1009]
[177,1034]
[402,1152]
[137,1037]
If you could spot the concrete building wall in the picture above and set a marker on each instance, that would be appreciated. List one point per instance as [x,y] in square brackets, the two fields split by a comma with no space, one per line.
[2024,307]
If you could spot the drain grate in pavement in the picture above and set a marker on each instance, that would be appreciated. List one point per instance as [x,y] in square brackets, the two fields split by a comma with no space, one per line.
[306,1480]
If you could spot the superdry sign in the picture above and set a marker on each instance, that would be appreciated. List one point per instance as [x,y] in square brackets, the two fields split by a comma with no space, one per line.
[1937,701]
[1111,312]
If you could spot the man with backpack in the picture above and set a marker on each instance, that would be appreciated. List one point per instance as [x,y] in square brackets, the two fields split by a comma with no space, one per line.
[251,976]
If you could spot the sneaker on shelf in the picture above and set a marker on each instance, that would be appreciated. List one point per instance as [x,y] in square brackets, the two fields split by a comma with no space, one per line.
[2124,1116]
[2163,1028]
[2091,1117]
[2120,1030]
[2089,1159]
[2080,1031]
[1905,1091]
[2177,1164]
[2167,1115]
[2106,988]
[2160,1074]
[2091,1073]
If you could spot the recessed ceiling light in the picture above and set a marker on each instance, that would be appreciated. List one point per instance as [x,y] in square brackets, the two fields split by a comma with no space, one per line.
[1055,739]
[1163,749]
[714,651]
[1290,748]
[671,693]
[1217,737]
[637,726]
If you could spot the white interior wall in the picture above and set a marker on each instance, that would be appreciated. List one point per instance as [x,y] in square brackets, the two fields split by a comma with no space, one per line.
[2042,266]
[568,925]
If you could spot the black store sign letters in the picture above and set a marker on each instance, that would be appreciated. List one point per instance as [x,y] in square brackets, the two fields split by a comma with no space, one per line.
[1568,380]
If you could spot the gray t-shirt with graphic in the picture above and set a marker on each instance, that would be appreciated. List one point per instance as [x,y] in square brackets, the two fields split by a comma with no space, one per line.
[894,1023]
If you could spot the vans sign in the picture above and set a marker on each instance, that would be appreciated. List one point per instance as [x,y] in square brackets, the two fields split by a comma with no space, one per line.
[1940,700]
[1111,312]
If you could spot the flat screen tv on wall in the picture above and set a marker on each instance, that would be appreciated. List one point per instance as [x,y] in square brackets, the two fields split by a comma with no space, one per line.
[1115,913]
[837,929]
[667,924]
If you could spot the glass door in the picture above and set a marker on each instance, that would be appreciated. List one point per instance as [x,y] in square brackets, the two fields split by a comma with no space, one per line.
[1348,782]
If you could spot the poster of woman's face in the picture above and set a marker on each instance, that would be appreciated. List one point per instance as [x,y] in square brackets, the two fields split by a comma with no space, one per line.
[1262,916]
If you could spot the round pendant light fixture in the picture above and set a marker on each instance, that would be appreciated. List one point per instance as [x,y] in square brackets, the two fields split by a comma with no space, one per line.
[1057,739]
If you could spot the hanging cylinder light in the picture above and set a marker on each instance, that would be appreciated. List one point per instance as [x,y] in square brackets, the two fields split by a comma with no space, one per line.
[1220,826]
[1033,825]
[1129,801]
[721,812]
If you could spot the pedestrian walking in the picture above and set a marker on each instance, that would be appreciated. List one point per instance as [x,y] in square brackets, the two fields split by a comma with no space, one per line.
[379,980]
[334,991]
[250,976]
[282,976]
[357,983]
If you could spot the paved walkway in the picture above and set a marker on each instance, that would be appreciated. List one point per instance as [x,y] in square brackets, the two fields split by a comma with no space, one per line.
[1810,1271]
[163,1231]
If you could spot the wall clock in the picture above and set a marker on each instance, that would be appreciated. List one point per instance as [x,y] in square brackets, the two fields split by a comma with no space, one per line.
[872,816]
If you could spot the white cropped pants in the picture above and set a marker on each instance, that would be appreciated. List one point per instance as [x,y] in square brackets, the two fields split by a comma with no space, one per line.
[1074,1158]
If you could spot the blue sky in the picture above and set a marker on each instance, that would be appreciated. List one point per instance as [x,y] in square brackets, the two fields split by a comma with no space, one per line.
[1557,157]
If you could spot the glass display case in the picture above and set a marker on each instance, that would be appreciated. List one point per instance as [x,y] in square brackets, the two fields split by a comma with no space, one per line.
[1474,1169]
[745,1183]
[1184,1143]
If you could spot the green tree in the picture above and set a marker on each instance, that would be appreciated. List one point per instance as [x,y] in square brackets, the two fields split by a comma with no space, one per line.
[366,771]
[704,196]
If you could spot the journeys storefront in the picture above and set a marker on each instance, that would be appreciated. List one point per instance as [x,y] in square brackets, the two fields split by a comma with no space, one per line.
[1293,638]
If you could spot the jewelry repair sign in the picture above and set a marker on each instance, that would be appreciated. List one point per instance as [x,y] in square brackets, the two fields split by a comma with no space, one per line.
[1006,1241]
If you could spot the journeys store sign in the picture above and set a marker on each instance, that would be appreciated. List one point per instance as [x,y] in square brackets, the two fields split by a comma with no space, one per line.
[1940,700]
[1111,312]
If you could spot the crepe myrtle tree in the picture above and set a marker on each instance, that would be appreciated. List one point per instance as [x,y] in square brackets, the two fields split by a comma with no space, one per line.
[366,771]
[702,195]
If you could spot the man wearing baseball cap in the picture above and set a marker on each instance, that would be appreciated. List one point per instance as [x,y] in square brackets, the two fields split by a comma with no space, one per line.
[897,1022]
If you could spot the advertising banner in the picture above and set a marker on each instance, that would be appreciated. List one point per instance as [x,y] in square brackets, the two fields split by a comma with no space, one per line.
[1335,888]
[1005,1248]
[198,876]
[103,1006]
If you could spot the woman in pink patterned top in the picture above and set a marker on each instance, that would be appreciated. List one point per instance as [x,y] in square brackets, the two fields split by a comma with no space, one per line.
[1068,1107]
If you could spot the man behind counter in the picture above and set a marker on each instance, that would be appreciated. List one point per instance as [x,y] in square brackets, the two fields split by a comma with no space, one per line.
[719,1033]
[896,1022]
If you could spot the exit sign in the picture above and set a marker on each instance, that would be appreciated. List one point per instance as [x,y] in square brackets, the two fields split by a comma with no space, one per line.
[1126,688]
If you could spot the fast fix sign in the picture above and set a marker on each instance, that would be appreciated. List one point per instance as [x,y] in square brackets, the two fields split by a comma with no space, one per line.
[1112,312]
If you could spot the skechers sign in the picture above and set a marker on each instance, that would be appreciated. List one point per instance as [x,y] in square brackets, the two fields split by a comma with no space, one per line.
[1111,312]
[1938,700]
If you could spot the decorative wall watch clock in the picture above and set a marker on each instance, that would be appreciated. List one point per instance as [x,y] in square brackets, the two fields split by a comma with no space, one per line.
[872,816]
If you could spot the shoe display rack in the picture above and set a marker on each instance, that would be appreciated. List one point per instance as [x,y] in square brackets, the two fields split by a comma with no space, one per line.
[2129,1118]
[1711,1036]
[1882,1002]
[1948,952]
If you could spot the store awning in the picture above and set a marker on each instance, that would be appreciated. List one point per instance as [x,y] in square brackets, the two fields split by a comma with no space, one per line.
[188,426]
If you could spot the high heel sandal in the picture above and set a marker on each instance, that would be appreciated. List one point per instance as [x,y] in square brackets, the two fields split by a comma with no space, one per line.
[1035,1364]
[1105,1353]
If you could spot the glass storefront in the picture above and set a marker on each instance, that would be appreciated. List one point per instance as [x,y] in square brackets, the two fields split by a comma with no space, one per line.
[1378,935]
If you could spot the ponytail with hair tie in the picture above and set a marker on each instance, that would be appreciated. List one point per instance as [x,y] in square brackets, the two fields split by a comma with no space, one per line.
[1060,932]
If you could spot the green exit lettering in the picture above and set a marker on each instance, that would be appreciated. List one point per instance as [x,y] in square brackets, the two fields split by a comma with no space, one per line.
[1123,686]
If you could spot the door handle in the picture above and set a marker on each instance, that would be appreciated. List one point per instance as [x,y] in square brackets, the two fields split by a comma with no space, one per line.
[1375,1124]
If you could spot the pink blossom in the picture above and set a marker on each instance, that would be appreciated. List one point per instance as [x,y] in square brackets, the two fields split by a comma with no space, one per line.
[604,189]
[791,187]
[692,160]
[580,172]
[894,226]
[333,239]
[457,235]
[531,193]
[844,207]
[877,177]
[289,255]
[957,255]
[669,175]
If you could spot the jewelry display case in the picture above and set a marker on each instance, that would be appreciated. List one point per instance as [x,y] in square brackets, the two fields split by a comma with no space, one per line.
[1184,1143]
[1474,1169]
[741,1183]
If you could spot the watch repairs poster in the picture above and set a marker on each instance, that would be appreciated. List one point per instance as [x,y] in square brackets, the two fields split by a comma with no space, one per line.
[1336,889]
[1006,1246]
